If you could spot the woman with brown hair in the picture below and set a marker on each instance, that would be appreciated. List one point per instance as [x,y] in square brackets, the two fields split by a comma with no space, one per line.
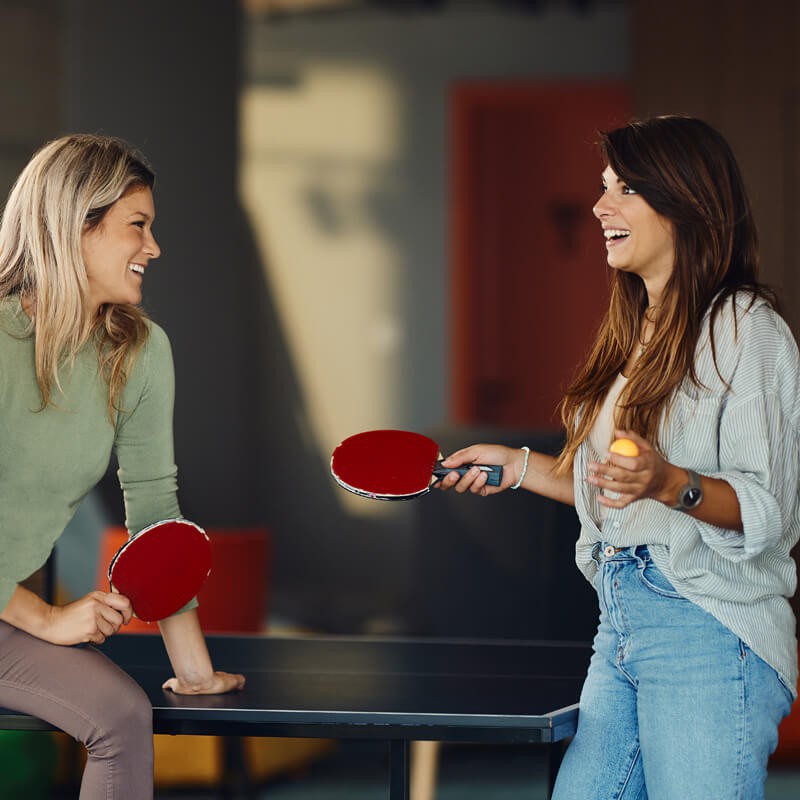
[83,373]
[687,542]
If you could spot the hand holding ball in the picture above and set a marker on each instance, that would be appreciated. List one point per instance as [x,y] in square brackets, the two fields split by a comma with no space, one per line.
[624,447]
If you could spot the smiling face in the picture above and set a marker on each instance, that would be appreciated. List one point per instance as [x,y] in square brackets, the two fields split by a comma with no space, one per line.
[638,239]
[117,251]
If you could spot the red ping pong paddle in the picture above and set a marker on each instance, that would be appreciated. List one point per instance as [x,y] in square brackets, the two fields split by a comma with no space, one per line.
[394,465]
[162,567]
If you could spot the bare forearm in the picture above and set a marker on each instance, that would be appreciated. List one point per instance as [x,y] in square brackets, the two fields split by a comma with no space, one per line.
[720,506]
[541,478]
[188,654]
[92,618]
[537,476]
[28,612]
[186,648]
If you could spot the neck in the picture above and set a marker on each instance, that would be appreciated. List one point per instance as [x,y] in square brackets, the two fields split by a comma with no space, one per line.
[654,299]
[655,290]
[648,321]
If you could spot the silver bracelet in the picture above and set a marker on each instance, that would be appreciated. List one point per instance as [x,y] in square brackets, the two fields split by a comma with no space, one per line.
[524,467]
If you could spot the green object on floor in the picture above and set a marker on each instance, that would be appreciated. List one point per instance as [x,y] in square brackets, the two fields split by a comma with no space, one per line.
[27,764]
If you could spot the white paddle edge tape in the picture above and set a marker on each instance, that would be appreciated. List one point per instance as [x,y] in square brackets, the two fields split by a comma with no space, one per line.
[374,496]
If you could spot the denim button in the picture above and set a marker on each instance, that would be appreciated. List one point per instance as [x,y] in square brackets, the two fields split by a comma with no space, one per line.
[610,551]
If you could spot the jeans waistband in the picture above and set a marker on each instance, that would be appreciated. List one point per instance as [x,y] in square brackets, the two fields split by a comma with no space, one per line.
[602,551]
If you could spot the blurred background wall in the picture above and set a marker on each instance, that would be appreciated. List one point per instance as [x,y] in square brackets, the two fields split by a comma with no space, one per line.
[305,209]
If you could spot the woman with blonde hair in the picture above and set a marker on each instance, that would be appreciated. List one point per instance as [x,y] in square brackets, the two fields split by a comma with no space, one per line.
[687,538]
[83,373]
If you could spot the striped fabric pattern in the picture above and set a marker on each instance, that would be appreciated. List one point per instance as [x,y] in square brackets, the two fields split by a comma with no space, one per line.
[744,429]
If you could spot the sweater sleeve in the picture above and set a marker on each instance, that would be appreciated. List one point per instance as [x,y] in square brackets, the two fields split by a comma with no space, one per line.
[144,438]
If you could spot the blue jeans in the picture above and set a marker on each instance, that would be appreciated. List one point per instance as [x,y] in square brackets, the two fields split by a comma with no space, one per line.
[675,706]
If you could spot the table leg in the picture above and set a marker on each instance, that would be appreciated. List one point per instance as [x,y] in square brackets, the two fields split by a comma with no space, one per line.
[424,766]
[399,750]
[236,784]
[555,754]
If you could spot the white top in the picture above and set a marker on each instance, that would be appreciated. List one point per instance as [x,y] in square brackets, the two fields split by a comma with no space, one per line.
[602,432]
[742,425]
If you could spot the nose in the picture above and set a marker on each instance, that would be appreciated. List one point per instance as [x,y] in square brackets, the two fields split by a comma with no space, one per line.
[151,247]
[602,208]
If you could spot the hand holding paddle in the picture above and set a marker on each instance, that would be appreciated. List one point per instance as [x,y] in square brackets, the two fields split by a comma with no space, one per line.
[92,618]
[509,460]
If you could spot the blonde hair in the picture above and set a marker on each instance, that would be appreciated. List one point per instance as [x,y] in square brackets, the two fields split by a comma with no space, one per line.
[65,190]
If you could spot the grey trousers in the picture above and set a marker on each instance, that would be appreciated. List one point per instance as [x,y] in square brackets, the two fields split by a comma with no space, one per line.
[80,691]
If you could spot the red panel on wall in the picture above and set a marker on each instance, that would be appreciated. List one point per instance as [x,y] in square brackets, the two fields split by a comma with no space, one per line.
[529,281]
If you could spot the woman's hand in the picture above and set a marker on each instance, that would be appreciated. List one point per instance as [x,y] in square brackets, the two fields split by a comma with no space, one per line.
[188,654]
[92,618]
[219,683]
[509,458]
[630,478]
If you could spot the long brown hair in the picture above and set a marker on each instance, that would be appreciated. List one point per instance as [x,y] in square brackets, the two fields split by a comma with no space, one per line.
[65,190]
[686,171]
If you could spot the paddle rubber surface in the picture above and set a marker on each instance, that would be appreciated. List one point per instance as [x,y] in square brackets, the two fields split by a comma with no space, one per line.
[385,464]
[162,567]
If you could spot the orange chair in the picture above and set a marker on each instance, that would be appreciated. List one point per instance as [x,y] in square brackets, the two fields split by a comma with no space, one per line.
[235,597]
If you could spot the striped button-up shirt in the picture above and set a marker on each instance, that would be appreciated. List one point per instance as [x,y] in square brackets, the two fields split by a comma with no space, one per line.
[742,425]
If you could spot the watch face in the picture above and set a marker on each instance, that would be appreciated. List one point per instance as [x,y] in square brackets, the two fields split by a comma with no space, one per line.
[692,497]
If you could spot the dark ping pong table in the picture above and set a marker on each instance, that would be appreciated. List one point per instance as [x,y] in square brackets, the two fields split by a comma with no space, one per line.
[396,690]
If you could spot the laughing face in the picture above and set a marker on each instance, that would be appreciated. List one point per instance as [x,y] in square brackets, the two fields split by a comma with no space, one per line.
[638,239]
[116,252]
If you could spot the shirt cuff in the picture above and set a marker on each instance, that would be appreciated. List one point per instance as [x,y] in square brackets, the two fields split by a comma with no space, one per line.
[761,521]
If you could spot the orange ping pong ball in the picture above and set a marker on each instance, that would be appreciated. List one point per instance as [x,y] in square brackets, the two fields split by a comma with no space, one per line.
[624,447]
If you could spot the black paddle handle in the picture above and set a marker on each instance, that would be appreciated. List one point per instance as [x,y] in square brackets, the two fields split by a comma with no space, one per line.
[495,474]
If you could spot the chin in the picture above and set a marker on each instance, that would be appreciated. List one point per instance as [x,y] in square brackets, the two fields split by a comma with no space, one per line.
[124,301]
[620,266]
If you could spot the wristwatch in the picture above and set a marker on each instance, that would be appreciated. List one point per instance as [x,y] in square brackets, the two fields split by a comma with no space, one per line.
[691,495]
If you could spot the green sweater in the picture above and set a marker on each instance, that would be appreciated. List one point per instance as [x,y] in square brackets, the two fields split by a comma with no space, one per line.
[50,459]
